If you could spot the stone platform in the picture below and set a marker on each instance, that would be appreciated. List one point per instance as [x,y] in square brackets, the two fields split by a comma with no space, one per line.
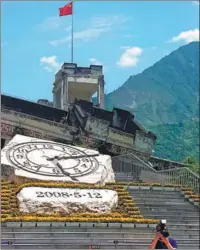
[42,200]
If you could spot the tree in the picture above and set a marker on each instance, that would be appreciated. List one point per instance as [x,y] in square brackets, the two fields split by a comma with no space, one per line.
[193,164]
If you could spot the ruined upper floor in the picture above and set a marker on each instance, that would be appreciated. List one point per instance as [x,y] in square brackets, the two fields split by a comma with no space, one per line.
[117,127]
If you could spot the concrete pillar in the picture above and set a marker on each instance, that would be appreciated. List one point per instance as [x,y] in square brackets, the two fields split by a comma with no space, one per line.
[62,94]
[58,99]
[65,93]
[98,95]
[100,92]
[54,99]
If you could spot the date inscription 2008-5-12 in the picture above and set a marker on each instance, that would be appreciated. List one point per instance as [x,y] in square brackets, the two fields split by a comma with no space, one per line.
[67,195]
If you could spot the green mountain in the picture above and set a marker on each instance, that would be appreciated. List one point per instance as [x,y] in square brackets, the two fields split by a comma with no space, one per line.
[177,141]
[167,92]
[165,99]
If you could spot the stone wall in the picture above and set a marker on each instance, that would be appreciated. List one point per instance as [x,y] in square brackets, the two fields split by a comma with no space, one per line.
[97,128]
[120,138]
[11,120]
[143,142]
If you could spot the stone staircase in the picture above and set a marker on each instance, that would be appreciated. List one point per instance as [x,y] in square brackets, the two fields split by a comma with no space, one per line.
[82,238]
[182,221]
[182,216]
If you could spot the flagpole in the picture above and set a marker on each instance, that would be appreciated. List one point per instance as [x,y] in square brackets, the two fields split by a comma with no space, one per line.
[72,35]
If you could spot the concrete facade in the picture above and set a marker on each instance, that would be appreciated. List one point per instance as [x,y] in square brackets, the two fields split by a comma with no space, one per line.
[72,82]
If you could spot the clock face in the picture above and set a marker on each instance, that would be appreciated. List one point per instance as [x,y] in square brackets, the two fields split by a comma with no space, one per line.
[52,159]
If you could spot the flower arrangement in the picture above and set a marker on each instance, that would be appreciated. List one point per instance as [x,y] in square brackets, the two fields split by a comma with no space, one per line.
[126,212]
[192,195]
[78,219]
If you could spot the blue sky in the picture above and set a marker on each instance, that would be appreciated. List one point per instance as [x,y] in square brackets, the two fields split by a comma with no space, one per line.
[126,37]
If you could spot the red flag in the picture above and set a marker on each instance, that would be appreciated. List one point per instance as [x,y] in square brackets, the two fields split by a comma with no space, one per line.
[66,10]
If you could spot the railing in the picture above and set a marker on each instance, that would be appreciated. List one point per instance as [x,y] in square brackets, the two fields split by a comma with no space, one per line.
[131,168]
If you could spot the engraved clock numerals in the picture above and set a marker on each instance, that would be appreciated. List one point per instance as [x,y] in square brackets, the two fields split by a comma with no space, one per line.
[23,150]
[56,171]
[74,153]
[19,156]
[83,165]
[77,170]
[48,146]
[86,160]
[26,163]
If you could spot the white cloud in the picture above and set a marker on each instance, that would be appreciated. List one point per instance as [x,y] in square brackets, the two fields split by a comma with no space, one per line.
[50,63]
[94,61]
[97,26]
[195,3]
[186,36]
[129,57]
[53,23]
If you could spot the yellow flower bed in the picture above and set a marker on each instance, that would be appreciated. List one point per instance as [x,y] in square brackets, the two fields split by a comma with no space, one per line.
[77,219]
[188,192]
[127,210]
[8,199]
[192,195]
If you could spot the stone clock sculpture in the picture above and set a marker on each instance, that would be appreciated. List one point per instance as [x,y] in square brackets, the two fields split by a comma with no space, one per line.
[47,160]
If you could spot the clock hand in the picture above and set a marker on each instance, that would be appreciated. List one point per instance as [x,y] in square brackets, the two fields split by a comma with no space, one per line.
[70,157]
[57,164]
[65,172]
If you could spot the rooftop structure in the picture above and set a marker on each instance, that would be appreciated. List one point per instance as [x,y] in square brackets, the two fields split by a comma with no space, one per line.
[73,82]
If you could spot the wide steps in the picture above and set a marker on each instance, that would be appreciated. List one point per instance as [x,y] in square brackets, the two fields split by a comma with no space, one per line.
[181,215]
[174,199]
[158,195]
[151,213]
[167,215]
[88,240]
[182,222]
[76,245]
[158,206]
[131,233]
[153,192]
[114,236]
[160,203]
[116,228]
